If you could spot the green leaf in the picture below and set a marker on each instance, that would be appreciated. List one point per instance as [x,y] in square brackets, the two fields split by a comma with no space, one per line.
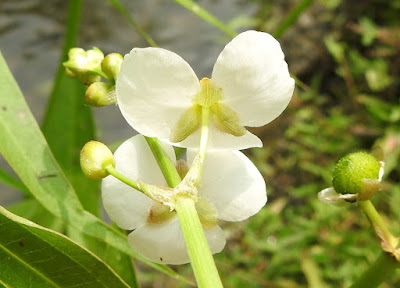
[33,256]
[68,123]
[120,262]
[22,144]
[32,210]
[292,17]
[12,182]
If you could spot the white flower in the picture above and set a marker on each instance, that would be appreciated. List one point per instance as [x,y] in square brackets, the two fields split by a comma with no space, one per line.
[232,189]
[250,86]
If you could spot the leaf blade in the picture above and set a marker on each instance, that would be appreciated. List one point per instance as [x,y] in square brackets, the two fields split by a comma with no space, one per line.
[37,253]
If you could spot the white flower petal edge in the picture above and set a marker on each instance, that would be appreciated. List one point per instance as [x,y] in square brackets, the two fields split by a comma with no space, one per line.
[232,183]
[154,88]
[254,76]
[164,243]
[127,207]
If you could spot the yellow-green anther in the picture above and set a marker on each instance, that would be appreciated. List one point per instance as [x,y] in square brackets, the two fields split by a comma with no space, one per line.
[209,93]
[159,214]
[226,120]
[207,213]
[187,124]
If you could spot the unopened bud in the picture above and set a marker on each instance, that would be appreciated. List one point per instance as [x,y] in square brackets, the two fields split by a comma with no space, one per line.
[111,65]
[100,94]
[95,158]
[356,173]
[84,65]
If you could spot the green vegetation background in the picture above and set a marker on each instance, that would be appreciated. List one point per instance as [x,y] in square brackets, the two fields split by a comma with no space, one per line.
[346,57]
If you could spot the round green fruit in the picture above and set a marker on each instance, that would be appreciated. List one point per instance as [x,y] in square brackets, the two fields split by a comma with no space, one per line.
[350,171]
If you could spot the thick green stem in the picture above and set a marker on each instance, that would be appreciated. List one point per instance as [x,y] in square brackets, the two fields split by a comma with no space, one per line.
[167,168]
[199,252]
[389,241]
[378,272]
[196,243]
[386,262]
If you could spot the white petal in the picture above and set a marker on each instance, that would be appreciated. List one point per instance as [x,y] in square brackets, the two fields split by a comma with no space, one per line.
[331,197]
[232,183]
[221,141]
[164,243]
[154,88]
[254,77]
[126,206]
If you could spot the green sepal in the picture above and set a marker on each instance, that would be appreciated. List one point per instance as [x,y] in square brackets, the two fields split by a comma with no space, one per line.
[227,120]
[187,124]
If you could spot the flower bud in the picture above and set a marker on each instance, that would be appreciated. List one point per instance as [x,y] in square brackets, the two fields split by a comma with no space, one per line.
[111,65]
[182,168]
[100,94]
[84,65]
[95,158]
[354,173]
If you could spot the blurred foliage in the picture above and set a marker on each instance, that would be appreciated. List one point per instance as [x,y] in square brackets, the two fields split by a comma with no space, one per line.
[350,58]
[352,104]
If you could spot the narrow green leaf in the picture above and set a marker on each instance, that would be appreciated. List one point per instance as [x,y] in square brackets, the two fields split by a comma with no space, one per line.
[206,16]
[12,182]
[32,210]
[292,17]
[33,256]
[22,144]
[68,123]
[120,262]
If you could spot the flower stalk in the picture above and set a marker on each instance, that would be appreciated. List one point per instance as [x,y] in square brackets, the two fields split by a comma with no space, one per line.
[378,272]
[111,170]
[203,264]
[389,242]
[201,258]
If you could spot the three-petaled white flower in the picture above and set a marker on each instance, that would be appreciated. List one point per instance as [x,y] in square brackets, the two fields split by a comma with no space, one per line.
[160,95]
[234,195]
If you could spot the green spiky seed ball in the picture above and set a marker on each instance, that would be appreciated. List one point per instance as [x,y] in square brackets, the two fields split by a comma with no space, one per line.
[352,169]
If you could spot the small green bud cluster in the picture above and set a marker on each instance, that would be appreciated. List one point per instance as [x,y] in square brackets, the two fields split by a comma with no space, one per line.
[90,67]
[357,173]
[95,158]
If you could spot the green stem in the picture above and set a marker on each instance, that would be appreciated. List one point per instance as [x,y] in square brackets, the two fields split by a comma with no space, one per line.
[200,255]
[379,225]
[206,16]
[167,168]
[111,170]
[128,16]
[203,264]
[193,177]
[378,272]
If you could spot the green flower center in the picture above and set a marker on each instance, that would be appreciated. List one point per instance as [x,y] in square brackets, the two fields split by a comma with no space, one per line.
[223,118]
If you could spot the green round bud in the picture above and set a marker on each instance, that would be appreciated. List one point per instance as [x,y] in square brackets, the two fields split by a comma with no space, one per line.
[111,65]
[100,94]
[95,158]
[351,170]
